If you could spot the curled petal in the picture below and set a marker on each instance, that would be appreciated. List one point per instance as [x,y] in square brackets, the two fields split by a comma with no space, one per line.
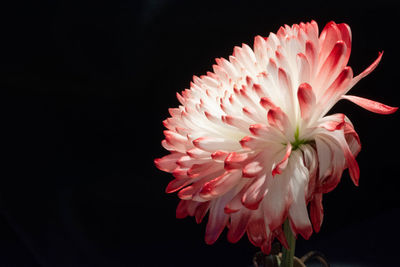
[325,156]
[298,214]
[367,70]
[278,200]
[333,122]
[316,212]
[283,163]
[338,138]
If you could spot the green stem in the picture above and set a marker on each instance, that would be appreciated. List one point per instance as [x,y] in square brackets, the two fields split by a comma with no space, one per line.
[288,254]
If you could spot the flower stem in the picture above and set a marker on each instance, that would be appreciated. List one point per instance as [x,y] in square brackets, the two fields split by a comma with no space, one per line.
[288,254]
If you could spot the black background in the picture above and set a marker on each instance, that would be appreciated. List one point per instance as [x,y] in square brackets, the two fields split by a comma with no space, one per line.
[85,87]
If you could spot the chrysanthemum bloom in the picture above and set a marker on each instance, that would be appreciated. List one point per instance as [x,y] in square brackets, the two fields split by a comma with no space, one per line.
[251,142]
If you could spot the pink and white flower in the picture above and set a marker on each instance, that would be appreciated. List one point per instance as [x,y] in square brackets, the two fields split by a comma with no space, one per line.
[251,142]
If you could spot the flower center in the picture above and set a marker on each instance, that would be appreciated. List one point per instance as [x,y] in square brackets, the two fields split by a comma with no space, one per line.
[297,141]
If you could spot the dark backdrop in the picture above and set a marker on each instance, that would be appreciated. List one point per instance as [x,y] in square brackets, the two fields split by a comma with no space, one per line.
[85,86]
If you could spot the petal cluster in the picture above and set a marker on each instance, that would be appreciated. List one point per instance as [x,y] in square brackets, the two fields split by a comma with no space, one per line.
[251,143]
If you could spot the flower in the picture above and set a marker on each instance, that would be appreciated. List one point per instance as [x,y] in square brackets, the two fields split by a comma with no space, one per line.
[251,142]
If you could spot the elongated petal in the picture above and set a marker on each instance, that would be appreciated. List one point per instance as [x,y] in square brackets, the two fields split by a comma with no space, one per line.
[298,210]
[304,68]
[345,33]
[181,209]
[212,144]
[325,155]
[255,193]
[238,225]
[252,169]
[367,70]
[177,184]
[316,212]
[217,219]
[278,118]
[221,184]
[328,38]
[168,163]
[333,64]
[201,211]
[370,105]
[277,200]
[306,99]
[236,160]
[258,230]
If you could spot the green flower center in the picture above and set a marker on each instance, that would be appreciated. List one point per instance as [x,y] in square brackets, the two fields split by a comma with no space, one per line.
[297,141]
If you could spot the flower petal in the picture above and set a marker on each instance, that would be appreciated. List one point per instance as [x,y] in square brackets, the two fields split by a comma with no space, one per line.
[277,118]
[306,99]
[304,68]
[277,200]
[370,105]
[168,163]
[257,229]
[325,156]
[316,212]
[283,163]
[212,144]
[332,122]
[298,214]
[367,70]
[345,33]
[217,219]
[238,225]
[201,211]
[327,39]
[252,169]
[220,185]
[177,184]
[332,65]
[255,193]
[236,160]
[339,139]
